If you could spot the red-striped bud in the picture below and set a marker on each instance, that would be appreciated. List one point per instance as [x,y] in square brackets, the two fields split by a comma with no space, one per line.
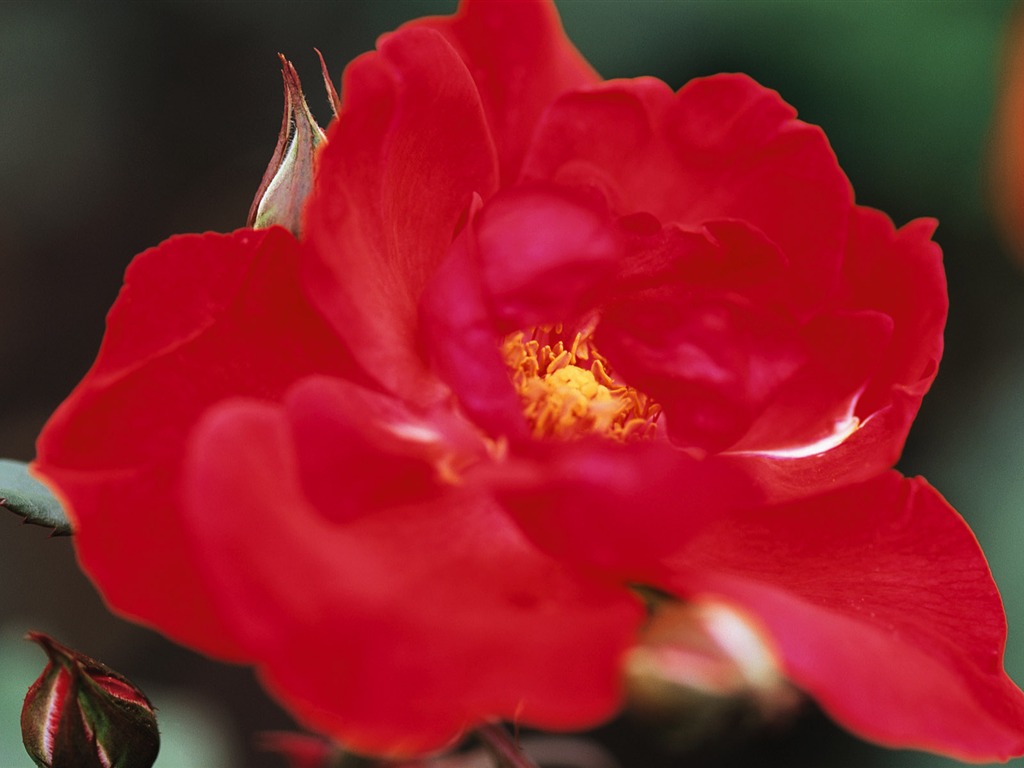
[82,714]
[289,177]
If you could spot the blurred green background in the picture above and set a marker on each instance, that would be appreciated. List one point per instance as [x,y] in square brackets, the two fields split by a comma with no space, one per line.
[121,124]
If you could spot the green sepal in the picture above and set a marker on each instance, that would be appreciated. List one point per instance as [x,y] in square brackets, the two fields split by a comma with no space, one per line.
[25,496]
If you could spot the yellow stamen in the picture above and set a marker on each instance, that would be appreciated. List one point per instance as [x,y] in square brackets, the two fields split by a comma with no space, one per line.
[569,392]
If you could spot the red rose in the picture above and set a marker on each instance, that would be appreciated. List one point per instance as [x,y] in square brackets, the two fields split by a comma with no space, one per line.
[544,338]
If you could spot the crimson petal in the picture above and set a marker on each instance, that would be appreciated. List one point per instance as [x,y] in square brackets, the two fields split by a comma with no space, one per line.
[814,410]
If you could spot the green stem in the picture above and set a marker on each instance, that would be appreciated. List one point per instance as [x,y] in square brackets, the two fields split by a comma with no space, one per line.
[503,748]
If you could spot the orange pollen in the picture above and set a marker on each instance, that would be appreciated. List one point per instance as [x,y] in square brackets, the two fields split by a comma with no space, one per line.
[570,392]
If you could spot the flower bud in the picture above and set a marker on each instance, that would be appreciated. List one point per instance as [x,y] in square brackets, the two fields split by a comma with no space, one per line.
[289,177]
[82,714]
[704,668]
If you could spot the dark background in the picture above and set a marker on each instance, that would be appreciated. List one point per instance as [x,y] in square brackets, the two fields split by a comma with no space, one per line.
[121,124]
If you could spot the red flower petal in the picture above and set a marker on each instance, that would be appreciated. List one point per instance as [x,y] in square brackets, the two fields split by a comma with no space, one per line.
[200,317]
[713,366]
[534,254]
[399,630]
[723,147]
[521,61]
[814,410]
[409,149]
[699,321]
[620,508]
[897,273]
[542,252]
[881,606]
[387,453]
[461,340]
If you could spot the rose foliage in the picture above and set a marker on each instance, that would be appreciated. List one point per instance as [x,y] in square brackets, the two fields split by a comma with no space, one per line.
[544,338]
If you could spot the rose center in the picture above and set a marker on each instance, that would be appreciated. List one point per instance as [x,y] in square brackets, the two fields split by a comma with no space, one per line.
[570,391]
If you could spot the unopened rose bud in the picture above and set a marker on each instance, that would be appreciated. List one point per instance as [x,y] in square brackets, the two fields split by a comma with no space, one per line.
[82,714]
[289,177]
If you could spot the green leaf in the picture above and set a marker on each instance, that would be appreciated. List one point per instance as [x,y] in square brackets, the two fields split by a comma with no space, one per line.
[24,495]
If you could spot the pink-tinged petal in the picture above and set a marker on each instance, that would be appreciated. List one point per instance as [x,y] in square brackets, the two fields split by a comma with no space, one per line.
[723,147]
[402,162]
[521,61]
[395,632]
[461,340]
[543,252]
[880,605]
[200,317]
